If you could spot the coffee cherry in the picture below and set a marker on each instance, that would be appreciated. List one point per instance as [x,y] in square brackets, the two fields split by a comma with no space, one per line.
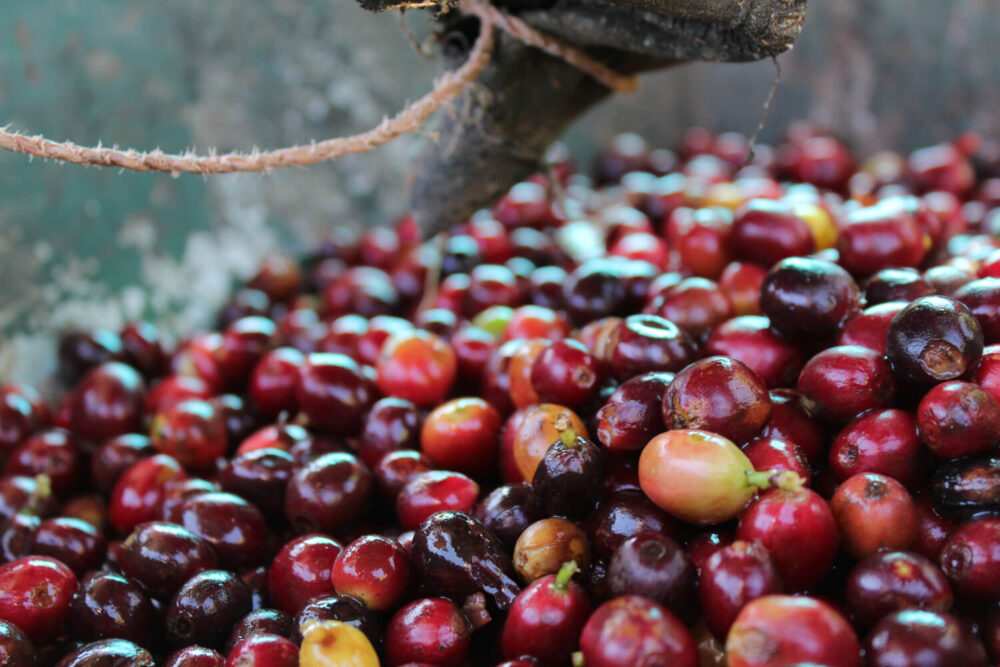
[733,576]
[632,630]
[934,339]
[874,512]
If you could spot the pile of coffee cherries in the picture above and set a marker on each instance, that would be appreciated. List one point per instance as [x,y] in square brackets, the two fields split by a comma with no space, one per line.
[687,410]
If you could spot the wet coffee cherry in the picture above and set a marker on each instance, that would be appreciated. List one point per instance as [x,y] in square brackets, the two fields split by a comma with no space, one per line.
[107,402]
[882,236]
[648,343]
[790,630]
[958,419]
[522,393]
[264,649]
[538,428]
[546,619]
[327,492]
[720,395]
[205,608]
[395,470]
[632,630]
[799,531]
[923,637]
[934,339]
[546,545]
[507,511]
[846,380]
[462,435]
[805,297]
[108,652]
[339,608]
[431,630]
[300,572]
[874,512]
[108,605]
[139,492]
[623,515]
[236,529]
[965,487]
[565,373]
[773,455]
[655,567]
[733,576]
[335,643]
[36,593]
[272,382]
[261,621]
[595,289]
[417,366]
[16,649]
[392,424]
[790,421]
[750,340]
[373,569]
[456,555]
[334,393]
[114,456]
[74,542]
[698,476]
[162,556]
[192,432]
[428,493]
[634,413]
[870,327]
[884,442]
[568,478]
[54,453]
[970,558]
[891,581]
[261,477]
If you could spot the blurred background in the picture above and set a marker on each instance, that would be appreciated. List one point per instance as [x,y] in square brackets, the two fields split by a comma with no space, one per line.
[84,247]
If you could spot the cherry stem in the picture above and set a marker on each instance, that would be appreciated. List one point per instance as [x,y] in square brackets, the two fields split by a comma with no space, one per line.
[786,480]
[566,431]
[566,572]
[578,659]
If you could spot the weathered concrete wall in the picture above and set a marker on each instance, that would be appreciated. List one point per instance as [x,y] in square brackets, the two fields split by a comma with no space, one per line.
[88,247]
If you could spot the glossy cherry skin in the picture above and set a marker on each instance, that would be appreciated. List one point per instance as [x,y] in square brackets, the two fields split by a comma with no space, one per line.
[16,649]
[798,530]
[655,567]
[545,621]
[339,608]
[192,432]
[633,414]
[696,305]
[395,470]
[260,476]
[987,374]
[262,621]
[434,491]
[17,420]
[958,419]
[632,630]
[162,556]
[546,545]
[970,558]
[236,529]
[884,442]
[273,380]
[787,630]
[108,652]
[891,581]
[507,511]
[846,380]
[647,343]
[264,649]
[535,433]
[108,605]
[108,402]
[417,366]
[36,593]
[870,327]
[568,479]
[195,656]
[874,512]
[766,231]
[206,607]
[373,569]
[623,515]
[772,454]
[139,491]
[114,456]
[720,395]
[462,435]
[52,452]
[522,393]
[750,340]
[334,393]
[300,572]
[923,637]
[21,494]
[982,297]
[392,424]
[805,297]
[457,556]
[327,492]
[731,577]
[967,487]
[566,373]
[881,236]
[934,339]
[790,421]
[73,542]
[431,630]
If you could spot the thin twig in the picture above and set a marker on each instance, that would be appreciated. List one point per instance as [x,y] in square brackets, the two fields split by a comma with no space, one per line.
[766,110]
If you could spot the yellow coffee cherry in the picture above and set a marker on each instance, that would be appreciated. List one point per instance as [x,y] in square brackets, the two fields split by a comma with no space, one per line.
[335,644]
[820,224]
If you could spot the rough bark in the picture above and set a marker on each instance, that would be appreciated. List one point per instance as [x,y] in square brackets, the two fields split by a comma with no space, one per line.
[499,128]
